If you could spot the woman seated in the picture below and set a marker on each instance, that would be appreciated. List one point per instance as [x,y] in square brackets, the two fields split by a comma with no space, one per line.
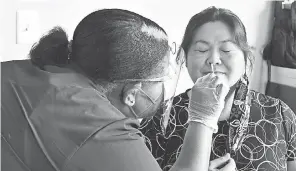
[257,130]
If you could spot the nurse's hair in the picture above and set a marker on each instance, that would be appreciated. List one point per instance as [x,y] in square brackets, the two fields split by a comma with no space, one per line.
[226,16]
[108,44]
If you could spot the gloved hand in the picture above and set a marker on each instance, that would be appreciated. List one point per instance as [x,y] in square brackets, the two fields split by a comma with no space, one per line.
[224,163]
[207,100]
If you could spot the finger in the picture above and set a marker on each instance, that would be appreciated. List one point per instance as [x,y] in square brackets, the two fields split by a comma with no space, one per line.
[207,77]
[216,80]
[221,86]
[230,166]
[199,80]
[203,81]
[222,90]
[219,161]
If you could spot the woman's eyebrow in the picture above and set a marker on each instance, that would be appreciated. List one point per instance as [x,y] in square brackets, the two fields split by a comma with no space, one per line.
[207,43]
[228,40]
[201,41]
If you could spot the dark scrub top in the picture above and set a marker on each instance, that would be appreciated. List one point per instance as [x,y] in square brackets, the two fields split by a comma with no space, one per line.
[270,141]
[57,120]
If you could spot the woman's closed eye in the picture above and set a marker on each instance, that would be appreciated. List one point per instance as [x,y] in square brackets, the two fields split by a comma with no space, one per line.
[228,47]
[202,50]
[226,50]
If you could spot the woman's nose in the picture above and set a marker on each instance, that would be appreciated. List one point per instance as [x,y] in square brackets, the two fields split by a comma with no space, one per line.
[214,58]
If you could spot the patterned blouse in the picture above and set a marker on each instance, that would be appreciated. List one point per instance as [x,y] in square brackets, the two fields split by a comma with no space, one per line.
[269,143]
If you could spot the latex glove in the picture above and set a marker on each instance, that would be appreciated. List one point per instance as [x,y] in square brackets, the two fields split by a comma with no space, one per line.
[207,100]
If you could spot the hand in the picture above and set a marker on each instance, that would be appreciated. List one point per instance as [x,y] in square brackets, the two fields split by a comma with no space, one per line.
[211,88]
[207,99]
[224,163]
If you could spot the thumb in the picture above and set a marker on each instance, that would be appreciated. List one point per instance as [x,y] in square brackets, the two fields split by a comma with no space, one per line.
[219,161]
[230,166]
[222,90]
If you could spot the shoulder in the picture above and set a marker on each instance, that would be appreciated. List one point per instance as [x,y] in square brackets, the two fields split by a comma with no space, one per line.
[8,67]
[22,72]
[271,104]
[8,64]
[260,98]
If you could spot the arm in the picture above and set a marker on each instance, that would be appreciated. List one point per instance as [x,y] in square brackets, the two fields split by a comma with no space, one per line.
[108,149]
[195,153]
[291,165]
[196,157]
[191,152]
[126,154]
[205,106]
[121,152]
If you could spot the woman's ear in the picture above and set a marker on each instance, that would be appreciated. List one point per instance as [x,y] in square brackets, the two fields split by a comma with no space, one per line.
[130,92]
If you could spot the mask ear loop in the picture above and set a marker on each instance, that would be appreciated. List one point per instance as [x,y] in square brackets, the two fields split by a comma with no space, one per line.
[173,50]
[149,97]
[133,112]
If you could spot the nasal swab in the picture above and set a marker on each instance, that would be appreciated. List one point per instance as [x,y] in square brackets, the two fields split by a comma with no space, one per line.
[212,67]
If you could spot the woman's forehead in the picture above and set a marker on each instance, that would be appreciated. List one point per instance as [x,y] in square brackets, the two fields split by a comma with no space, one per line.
[213,32]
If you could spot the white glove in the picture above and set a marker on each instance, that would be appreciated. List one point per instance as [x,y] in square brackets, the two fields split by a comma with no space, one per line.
[224,163]
[207,100]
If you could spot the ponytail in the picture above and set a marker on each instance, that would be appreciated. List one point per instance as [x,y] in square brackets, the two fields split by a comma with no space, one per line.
[51,49]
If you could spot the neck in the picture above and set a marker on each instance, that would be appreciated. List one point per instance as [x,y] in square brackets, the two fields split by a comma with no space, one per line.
[228,104]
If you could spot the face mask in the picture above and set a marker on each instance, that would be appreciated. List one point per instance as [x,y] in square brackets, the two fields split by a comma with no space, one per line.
[164,101]
[147,103]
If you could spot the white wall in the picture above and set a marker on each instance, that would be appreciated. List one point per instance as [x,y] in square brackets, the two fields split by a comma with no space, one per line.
[171,15]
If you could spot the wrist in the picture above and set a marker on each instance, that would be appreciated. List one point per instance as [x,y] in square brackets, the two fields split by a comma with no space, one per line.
[208,122]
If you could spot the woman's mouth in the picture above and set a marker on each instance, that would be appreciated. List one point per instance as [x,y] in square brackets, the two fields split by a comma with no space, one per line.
[219,73]
[216,72]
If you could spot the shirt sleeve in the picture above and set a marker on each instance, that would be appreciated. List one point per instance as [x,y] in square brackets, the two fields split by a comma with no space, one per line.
[290,128]
[122,152]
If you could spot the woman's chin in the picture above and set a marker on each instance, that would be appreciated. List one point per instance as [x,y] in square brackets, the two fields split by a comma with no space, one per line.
[223,77]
